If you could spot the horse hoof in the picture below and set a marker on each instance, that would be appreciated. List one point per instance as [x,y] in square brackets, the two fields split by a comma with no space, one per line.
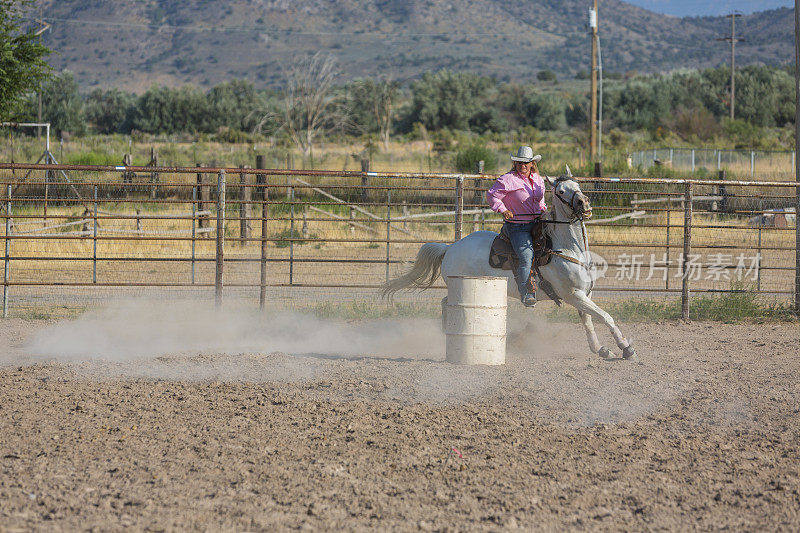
[628,352]
[604,352]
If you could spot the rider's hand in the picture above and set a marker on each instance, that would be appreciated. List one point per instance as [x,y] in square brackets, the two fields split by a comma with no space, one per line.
[508,215]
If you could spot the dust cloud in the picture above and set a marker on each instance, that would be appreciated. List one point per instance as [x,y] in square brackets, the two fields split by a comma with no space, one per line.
[397,360]
[141,330]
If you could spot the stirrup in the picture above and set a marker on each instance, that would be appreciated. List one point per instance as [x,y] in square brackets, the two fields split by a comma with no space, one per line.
[529,301]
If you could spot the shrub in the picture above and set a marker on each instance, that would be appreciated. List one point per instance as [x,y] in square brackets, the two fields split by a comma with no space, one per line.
[546,75]
[466,160]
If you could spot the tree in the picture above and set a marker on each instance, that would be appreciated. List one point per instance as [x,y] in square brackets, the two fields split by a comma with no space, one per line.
[22,64]
[62,104]
[373,102]
[547,112]
[309,104]
[232,105]
[108,110]
[448,99]
[165,110]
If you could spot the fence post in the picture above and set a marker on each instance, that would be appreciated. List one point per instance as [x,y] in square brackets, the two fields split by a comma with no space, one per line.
[261,179]
[291,236]
[220,256]
[262,294]
[687,249]
[388,227]
[194,231]
[476,195]
[459,205]
[244,208]
[666,256]
[289,166]
[153,175]
[204,195]
[364,180]
[758,254]
[752,164]
[6,266]
[94,239]
[692,159]
[796,165]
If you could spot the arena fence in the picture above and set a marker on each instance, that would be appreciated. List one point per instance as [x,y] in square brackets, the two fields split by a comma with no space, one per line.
[75,235]
[754,164]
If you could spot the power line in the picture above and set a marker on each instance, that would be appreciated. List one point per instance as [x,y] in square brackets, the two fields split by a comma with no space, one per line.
[251,29]
[396,37]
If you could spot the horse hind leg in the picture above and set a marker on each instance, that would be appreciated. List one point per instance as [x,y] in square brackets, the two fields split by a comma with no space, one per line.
[586,305]
[591,336]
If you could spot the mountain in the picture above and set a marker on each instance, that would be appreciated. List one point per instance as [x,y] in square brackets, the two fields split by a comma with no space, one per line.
[134,44]
[693,8]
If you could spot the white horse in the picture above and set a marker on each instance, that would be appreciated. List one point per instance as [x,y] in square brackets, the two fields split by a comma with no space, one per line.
[569,271]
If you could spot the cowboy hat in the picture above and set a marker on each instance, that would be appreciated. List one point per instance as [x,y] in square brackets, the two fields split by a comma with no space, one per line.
[525,155]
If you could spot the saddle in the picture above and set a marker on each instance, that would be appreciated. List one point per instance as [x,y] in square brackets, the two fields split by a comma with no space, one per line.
[503,256]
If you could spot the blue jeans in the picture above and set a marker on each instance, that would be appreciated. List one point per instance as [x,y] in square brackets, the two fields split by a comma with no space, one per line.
[521,240]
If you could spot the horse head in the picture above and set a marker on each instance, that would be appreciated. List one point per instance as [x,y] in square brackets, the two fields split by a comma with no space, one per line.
[568,192]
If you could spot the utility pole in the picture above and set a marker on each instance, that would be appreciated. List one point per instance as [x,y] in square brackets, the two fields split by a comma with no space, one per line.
[593,107]
[44,26]
[733,40]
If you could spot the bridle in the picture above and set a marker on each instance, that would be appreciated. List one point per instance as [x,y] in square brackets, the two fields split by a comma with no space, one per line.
[576,213]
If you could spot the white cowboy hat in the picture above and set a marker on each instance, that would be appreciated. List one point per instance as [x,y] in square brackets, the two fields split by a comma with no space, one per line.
[525,155]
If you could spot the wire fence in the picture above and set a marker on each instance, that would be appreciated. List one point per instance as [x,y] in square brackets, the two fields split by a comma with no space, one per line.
[75,236]
[762,164]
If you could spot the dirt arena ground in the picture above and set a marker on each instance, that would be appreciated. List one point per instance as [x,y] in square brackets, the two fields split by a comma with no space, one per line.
[107,424]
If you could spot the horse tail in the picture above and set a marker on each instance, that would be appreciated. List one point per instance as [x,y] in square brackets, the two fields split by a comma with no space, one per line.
[423,273]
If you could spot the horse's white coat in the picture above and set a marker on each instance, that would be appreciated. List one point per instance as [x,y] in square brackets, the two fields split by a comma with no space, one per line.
[572,282]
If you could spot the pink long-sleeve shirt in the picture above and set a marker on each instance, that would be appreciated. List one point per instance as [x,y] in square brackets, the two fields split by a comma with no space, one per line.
[518,194]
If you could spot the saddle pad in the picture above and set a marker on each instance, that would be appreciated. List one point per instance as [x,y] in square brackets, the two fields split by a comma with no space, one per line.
[501,253]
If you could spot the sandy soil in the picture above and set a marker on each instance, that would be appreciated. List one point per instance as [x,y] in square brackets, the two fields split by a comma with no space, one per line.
[703,434]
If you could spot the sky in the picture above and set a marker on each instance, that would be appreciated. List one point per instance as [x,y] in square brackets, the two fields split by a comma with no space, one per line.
[695,8]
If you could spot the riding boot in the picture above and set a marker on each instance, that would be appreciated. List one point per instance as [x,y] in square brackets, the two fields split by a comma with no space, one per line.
[529,300]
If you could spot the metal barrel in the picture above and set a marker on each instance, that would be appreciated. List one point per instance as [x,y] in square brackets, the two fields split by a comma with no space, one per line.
[475,321]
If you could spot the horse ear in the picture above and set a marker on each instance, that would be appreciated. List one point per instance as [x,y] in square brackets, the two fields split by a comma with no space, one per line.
[569,172]
[550,180]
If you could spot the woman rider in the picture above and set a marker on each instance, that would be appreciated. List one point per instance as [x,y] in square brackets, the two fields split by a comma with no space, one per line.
[519,196]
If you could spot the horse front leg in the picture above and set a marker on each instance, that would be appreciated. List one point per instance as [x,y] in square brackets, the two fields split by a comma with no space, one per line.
[584,304]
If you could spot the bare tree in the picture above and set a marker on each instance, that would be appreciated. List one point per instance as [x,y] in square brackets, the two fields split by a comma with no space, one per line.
[377,98]
[309,104]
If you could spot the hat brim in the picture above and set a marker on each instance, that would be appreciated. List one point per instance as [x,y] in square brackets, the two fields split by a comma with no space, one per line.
[536,158]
